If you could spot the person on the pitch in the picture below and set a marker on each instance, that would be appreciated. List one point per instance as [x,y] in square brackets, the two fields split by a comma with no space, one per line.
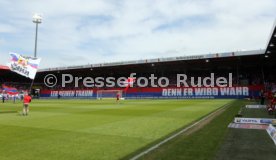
[26,101]
[14,98]
[3,98]
[117,97]
[262,97]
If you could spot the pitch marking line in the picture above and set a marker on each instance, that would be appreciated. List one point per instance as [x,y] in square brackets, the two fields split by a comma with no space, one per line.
[177,134]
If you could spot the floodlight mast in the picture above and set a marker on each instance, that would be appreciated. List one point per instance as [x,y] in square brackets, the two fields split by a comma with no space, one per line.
[37,19]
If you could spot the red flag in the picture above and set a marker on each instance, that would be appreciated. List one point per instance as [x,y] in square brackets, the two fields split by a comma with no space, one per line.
[129,83]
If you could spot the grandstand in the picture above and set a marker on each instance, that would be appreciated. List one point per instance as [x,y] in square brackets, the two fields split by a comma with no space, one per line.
[249,68]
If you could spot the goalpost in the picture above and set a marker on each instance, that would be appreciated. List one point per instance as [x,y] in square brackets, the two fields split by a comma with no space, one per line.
[112,94]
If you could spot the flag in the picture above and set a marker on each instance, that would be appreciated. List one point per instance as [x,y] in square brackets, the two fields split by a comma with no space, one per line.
[10,90]
[129,83]
[25,66]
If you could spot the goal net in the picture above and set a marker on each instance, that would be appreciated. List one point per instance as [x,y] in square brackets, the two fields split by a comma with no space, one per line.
[108,94]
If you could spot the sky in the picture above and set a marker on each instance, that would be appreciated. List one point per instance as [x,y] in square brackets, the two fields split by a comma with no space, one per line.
[80,32]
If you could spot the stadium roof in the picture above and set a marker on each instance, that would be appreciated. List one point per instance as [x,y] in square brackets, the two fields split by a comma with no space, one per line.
[157,60]
[271,48]
[4,67]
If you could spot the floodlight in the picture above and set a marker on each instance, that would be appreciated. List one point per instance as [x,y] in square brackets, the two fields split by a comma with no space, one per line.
[37,18]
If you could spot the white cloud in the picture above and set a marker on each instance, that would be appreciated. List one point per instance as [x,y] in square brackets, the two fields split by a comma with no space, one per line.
[94,31]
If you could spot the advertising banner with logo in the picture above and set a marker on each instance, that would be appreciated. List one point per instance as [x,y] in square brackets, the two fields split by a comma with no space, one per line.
[248,126]
[255,106]
[255,120]
[271,130]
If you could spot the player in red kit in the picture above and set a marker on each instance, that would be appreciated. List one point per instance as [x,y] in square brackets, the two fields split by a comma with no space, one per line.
[117,97]
[26,101]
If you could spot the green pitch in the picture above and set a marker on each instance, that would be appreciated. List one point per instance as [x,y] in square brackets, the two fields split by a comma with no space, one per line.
[93,129]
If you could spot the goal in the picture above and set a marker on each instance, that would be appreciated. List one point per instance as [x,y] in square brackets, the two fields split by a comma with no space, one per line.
[109,94]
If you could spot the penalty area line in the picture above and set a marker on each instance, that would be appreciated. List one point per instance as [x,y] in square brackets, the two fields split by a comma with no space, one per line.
[178,133]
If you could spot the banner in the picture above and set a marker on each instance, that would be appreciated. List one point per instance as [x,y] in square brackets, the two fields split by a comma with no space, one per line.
[25,66]
[271,130]
[206,92]
[257,106]
[248,126]
[10,90]
[236,92]
[255,120]
[72,93]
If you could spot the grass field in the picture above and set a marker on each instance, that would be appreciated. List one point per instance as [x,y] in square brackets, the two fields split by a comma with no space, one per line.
[250,144]
[215,141]
[204,143]
[90,129]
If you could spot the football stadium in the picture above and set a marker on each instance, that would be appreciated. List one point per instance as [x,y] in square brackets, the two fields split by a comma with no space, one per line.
[215,106]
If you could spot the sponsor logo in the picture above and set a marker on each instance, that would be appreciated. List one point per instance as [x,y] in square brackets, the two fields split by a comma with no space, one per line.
[238,120]
[246,120]
[268,121]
